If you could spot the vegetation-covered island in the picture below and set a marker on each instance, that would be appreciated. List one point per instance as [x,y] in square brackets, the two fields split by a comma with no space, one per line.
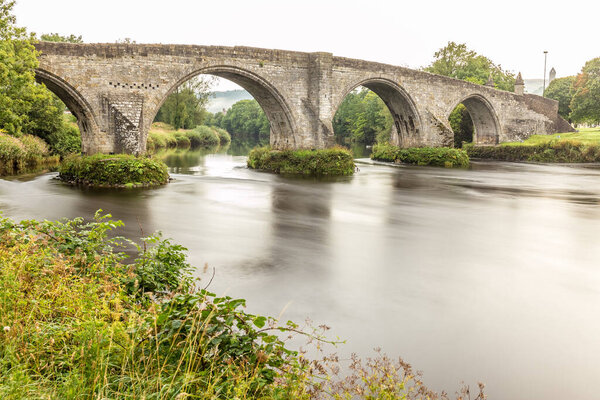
[336,161]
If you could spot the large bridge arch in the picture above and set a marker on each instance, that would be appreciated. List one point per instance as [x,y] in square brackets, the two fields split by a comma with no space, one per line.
[408,125]
[486,124]
[277,109]
[75,102]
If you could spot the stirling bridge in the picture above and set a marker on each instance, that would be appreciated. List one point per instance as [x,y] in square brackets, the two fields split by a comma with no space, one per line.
[115,91]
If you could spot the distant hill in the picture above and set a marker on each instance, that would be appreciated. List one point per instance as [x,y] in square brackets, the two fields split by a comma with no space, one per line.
[220,101]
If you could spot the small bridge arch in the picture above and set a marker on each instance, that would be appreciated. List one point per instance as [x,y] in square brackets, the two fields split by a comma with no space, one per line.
[486,125]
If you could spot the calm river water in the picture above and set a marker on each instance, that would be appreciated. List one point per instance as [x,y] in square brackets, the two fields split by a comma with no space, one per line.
[487,274]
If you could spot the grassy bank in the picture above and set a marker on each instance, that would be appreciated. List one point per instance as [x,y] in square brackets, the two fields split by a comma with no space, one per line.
[434,156]
[102,170]
[336,161]
[573,147]
[18,155]
[77,322]
[163,136]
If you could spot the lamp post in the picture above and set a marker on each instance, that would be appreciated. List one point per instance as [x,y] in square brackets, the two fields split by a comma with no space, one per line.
[545,58]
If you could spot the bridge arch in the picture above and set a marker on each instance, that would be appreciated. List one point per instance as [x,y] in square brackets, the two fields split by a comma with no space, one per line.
[75,102]
[273,103]
[486,125]
[407,127]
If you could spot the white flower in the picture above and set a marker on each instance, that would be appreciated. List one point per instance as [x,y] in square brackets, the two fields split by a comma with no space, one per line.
[6,328]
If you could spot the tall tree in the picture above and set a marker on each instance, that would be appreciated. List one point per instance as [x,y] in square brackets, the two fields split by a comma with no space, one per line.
[246,120]
[561,90]
[457,61]
[362,117]
[585,104]
[184,108]
[17,77]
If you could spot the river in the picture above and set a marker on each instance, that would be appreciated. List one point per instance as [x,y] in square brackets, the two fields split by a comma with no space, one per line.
[489,274]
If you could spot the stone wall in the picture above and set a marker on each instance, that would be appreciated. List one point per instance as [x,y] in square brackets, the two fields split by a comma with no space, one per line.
[117,90]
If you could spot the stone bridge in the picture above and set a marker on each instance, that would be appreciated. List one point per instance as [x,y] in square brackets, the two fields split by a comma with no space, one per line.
[115,91]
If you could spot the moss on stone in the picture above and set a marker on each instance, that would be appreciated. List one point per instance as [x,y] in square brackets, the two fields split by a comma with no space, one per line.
[102,170]
[335,161]
[434,156]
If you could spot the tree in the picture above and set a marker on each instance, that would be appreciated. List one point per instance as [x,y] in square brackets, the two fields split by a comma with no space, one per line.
[561,89]
[457,61]
[17,77]
[362,117]
[184,108]
[26,106]
[55,37]
[585,104]
[246,120]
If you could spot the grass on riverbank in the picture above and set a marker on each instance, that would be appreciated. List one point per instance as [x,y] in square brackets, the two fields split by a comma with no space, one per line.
[434,156]
[103,170]
[163,136]
[573,147]
[76,322]
[584,136]
[336,161]
[17,155]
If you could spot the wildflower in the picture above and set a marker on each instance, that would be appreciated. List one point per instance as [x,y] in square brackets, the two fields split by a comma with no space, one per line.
[6,328]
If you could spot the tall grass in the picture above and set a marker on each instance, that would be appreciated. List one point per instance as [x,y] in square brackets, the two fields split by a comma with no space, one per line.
[20,154]
[163,136]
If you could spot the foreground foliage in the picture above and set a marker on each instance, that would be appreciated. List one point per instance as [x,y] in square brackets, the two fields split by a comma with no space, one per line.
[18,155]
[336,161]
[557,150]
[113,170]
[78,322]
[435,156]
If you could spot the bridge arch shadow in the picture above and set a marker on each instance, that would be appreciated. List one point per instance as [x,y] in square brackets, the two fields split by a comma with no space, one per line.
[478,122]
[74,101]
[407,127]
[273,103]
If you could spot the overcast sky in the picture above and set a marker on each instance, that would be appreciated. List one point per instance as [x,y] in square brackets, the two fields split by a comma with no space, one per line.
[511,33]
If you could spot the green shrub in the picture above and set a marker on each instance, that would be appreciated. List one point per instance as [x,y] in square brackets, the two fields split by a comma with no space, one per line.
[334,161]
[78,323]
[113,170]
[12,154]
[224,136]
[564,151]
[434,156]
[65,141]
[35,149]
[163,139]
[183,141]
[203,136]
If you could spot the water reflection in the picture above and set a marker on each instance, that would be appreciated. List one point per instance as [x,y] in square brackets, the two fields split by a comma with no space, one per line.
[485,274]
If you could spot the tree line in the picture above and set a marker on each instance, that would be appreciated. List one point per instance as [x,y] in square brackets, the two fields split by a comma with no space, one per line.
[578,96]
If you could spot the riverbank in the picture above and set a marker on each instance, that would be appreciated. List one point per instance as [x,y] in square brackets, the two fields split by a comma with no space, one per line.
[336,161]
[163,136]
[23,154]
[77,322]
[117,171]
[423,156]
[573,147]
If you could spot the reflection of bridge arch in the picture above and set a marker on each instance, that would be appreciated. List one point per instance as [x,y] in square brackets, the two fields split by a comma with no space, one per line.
[74,101]
[407,121]
[486,127]
[276,108]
